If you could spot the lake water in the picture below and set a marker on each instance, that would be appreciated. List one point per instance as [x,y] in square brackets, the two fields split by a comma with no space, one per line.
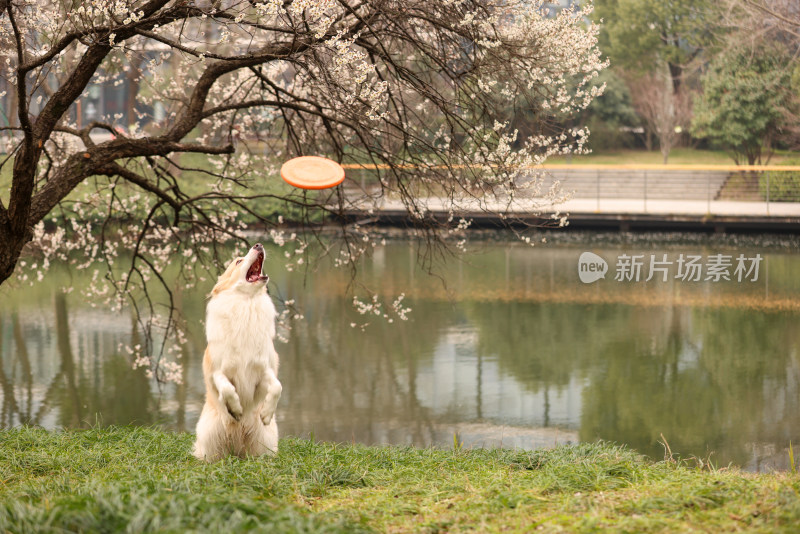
[508,348]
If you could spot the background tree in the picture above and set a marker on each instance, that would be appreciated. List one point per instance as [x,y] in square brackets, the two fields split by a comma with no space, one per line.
[664,109]
[648,38]
[395,85]
[746,98]
[638,35]
[762,25]
[759,20]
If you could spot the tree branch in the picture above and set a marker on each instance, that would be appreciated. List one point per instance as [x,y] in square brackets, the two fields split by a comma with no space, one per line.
[761,6]
[22,96]
[193,113]
[192,51]
[77,81]
[277,104]
[83,164]
[61,45]
[115,169]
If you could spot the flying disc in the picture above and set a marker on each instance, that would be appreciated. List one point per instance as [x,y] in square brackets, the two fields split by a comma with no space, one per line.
[312,172]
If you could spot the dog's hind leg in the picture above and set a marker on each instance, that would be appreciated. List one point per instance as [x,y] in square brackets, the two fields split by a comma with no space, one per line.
[262,439]
[270,383]
[211,443]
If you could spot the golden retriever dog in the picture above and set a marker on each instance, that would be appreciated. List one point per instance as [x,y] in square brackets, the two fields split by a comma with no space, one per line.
[240,365]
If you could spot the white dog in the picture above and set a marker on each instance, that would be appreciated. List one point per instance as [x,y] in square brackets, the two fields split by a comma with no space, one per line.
[240,366]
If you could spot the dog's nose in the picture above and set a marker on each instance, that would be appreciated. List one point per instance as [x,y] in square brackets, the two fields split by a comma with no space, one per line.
[258,246]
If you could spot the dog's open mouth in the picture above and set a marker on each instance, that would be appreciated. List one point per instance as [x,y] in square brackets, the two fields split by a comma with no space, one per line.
[254,272]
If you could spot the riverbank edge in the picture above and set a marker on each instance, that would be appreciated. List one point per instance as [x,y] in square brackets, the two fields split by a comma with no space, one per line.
[589,221]
[143,479]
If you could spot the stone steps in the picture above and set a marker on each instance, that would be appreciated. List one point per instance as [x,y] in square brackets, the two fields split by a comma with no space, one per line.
[632,184]
[675,185]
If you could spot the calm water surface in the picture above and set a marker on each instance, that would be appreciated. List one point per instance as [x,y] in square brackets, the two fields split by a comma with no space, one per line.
[509,348]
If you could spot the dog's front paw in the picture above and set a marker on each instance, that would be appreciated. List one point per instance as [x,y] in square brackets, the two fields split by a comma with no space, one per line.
[270,403]
[232,404]
[266,416]
[236,414]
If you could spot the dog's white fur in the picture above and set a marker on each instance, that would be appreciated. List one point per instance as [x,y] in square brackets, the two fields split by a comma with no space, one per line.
[240,367]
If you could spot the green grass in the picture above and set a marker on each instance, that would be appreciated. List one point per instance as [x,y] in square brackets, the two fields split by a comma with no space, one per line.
[143,479]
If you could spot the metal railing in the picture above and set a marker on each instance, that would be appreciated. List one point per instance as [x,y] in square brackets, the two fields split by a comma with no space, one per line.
[711,189]
[730,190]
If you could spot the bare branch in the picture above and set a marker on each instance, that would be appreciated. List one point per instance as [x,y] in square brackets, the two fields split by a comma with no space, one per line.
[193,112]
[115,169]
[763,7]
[22,94]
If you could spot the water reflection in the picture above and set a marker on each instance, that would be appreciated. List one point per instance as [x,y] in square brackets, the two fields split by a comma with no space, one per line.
[510,350]
[58,372]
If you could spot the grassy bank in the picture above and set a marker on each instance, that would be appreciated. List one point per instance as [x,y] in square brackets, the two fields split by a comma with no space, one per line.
[140,479]
[194,181]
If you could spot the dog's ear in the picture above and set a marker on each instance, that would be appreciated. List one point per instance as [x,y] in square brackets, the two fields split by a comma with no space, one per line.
[222,283]
[226,279]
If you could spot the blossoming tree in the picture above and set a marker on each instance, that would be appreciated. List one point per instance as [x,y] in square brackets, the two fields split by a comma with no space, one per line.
[421,93]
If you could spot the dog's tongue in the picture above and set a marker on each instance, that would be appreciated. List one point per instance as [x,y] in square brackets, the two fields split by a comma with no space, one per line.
[254,272]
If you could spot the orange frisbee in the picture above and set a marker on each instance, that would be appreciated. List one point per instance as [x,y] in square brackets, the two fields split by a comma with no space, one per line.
[312,172]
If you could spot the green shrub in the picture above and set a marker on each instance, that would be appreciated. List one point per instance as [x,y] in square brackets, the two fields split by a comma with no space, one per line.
[783,186]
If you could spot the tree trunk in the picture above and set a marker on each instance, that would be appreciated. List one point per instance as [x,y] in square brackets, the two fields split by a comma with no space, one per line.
[11,112]
[10,250]
[675,75]
[15,230]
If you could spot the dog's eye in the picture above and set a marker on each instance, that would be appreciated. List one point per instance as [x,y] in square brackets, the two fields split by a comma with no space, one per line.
[238,262]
